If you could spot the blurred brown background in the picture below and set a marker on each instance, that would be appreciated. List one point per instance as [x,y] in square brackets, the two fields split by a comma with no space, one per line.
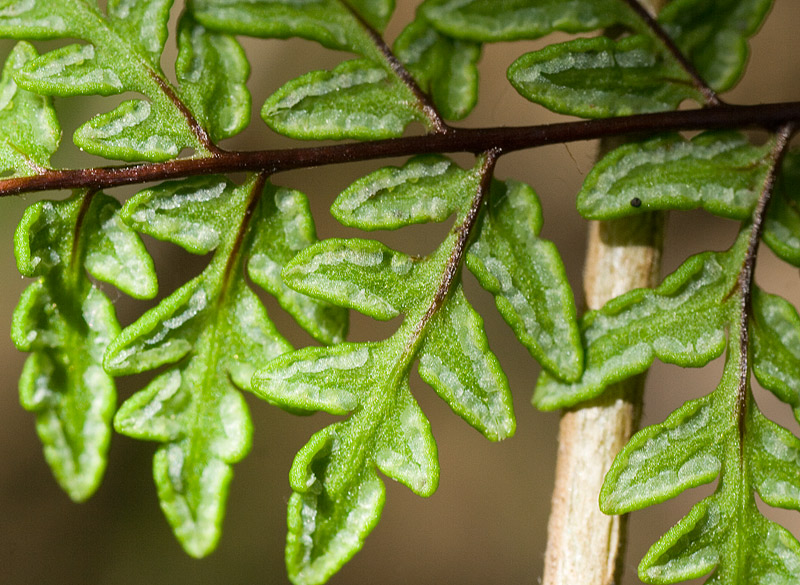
[487,522]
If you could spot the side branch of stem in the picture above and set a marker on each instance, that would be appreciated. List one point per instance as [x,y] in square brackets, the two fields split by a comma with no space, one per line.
[197,129]
[711,97]
[425,103]
[464,233]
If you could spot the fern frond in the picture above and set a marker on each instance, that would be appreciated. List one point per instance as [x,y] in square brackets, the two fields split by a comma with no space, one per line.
[66,322]
[721,172]
[338,496]
[211,339]
[682,322]
[725,532]
[725,435]
[214,333]
[121,52]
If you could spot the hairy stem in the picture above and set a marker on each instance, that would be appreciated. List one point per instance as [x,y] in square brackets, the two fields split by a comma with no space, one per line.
[474,140]
[749,267]
[74,263]
[234,257]
[464,231]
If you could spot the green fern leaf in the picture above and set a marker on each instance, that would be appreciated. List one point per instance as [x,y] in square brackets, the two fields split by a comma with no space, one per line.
[63,382]
[115,254]
[782,226]
[336,24]
[518,268]
[455,359]
[376,13]
[131,131]
[443,67]
[360,274]
[286,229]
[333,477]
[212,70]
[29,130]
[508,20]
[123,53]
[713,34]
[745,547]
[142,23]
[720,172]
[426,188]
[192,214]
[369,98]
[315,550]
[776,347]
[214,332]
[681,322]
[197,214]
[599,78]
[527,277]
[386,430]
[358,99]
[36,19]
[66,322]
[663,460]
[338,497]
[773,455]
[72,70]
[212,339]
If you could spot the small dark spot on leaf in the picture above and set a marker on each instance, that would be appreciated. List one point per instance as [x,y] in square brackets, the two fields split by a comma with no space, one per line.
[636,202]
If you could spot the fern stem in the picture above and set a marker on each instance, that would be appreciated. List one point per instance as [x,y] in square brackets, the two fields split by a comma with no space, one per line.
[473,140]
[465,232]
[455,261]
[234,257]
[75,267]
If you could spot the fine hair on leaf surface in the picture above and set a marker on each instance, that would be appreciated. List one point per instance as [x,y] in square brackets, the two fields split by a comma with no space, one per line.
[200,369]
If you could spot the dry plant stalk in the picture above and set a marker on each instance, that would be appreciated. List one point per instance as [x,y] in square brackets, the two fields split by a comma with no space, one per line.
[583,544]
